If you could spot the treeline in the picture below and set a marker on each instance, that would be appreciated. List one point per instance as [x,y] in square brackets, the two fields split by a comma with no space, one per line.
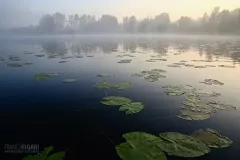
[216,22]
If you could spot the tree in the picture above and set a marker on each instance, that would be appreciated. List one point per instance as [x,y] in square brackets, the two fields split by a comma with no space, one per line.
[47,24]
[59,20]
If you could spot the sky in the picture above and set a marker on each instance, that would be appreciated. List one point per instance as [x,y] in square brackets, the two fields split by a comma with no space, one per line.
[34,9]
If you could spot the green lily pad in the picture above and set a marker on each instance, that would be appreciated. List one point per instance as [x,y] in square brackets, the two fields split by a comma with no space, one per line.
[44,76]
[115,101]
[180,63]
[69,80]
[174,66]
[174,90]
[14,65]
[158,59]
[159,70]
[105,75]
[181,145]
[138,75]
[27,64]
[14,58]
[125,61]
[192,115]
[221,105]
[200,67]
[210,66]
[62,61]
[131,108]
[211,82]
[226,66]
[212,138]
[140,146]
[125,55]
[101,85]
[45,155]
[150,60]
[189,65]
[39,55]
[123,85]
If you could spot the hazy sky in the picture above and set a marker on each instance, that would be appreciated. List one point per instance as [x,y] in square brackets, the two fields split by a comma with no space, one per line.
[119,8]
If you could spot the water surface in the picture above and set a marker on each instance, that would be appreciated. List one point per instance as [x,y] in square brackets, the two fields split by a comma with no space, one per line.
[69,116]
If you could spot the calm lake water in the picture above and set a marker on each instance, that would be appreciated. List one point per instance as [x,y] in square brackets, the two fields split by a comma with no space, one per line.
[69,116]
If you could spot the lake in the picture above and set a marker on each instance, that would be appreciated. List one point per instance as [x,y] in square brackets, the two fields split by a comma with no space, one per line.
[70,117]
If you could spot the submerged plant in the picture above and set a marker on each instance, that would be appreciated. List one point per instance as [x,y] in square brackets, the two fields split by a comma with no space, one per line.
[101,85]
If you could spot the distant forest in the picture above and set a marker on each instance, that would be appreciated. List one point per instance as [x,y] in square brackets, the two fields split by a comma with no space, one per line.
[216,22]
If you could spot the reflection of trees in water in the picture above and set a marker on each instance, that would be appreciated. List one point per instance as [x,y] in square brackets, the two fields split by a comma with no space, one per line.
[210,49]
[54,48]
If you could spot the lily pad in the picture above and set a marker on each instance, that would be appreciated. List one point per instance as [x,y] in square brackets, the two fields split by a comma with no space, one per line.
[26,52]
[150,60]
[211,82]
[62,61]
[45,155]
[189,65]
[221,105]
[44,76]
[158,59]
[174,66]
[14,58]
[159,70]
[105,75]
[89,56]
[115,101]
[131,108]
[192,115]
[226,66]
[181,145]
[183,61]
[153,78]
[39,55]
[140,146]
[101,85]
[174,90]
[123,85]
[212,138]
[27,63]
[125,55]
[125,61]
[200,67]
[210,66]
[138,75]
[69,80]
[180,63]
[14,65]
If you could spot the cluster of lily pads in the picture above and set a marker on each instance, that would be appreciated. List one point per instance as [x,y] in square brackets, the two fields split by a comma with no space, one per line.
[198,105]
[212,81]
[45,155]
[140,145]
[125,104]
[152,75]
[119,86]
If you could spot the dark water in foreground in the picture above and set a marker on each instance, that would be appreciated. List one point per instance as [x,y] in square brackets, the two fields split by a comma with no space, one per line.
[70,116]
